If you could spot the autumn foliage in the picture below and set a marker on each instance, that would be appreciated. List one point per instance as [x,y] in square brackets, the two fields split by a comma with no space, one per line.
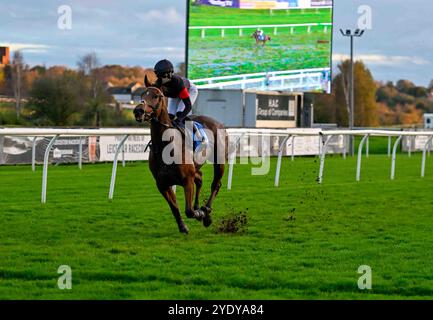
[376,103]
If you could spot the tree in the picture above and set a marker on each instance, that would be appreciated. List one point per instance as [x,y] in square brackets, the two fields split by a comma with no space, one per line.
[95,95]
[54,100]
[17,79]
[2,78]
[365,95]
[404,86]
[88,63]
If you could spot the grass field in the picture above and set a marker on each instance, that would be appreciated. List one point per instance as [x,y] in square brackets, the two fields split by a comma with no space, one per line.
[302,240]
[214,55]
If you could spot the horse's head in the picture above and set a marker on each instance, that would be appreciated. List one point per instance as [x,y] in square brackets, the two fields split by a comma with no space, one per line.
[151,106]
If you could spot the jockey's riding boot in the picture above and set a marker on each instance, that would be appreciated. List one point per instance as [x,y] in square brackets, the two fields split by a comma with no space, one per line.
[180,125]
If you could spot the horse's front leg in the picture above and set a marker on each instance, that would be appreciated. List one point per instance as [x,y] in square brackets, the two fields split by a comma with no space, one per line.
[198,180]
[169,195]
[188,188]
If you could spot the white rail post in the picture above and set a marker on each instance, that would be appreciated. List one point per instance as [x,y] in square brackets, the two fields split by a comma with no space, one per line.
[222,33]
[429,148]
[367,147]
[203,33]
[34,154]
[232,160]
[344,146]
[45,169]
[322,157]
[389,146]
[114,170]
[275,31]
[358,164]
[80,154]
[394,151]
[280,155]
[409,152]
[123,156]
[424,153]
[293,148]
[240,33]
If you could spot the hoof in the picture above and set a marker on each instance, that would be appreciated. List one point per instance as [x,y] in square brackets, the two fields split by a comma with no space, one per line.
[183,229]
[207,219]
[199,214]
[206,210]
[190,215]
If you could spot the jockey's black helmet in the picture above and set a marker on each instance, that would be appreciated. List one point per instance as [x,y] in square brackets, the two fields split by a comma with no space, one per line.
[163,68]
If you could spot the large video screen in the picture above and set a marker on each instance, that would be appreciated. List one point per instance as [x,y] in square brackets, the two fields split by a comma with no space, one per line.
[270,45]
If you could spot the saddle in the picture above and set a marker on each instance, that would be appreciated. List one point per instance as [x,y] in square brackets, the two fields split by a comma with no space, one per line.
[199,135]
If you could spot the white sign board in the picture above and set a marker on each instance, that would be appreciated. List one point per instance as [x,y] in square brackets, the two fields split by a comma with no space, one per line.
[414,143]
[133,148]
[312,145]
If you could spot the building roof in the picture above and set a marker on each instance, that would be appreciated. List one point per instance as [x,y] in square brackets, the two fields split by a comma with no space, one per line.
[139,91]
[119,90]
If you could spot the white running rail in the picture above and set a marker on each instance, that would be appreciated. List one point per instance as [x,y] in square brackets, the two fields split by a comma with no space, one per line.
[326,137]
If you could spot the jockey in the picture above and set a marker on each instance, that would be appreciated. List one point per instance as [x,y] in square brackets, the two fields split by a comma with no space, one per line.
[260,34]
[181,93]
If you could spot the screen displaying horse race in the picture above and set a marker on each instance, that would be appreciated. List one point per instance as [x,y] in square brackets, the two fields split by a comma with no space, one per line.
[270,45]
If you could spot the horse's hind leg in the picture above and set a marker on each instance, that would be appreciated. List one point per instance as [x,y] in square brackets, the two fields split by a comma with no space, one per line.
[215,187]
[198,180]
[169,195]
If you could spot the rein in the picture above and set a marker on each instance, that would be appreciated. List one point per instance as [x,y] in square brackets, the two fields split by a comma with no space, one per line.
[156,107]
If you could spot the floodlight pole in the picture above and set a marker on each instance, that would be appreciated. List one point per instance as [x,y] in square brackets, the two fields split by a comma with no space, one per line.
[349,33]
[352,96]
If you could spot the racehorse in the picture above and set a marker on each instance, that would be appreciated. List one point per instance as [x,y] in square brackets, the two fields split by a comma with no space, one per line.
[153,109]
[260,39]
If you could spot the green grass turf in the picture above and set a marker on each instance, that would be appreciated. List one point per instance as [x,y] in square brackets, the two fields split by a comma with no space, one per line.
[232,55]
[215,56]
[303,240]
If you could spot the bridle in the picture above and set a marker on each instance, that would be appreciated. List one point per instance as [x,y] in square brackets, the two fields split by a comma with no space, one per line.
[150,94]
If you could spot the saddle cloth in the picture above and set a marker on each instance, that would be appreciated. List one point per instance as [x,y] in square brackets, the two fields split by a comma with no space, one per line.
[199,135]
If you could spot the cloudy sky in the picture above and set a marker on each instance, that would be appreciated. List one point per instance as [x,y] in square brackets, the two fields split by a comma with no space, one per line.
[399,45]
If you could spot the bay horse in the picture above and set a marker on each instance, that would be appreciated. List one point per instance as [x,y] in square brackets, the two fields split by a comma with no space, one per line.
[260,39]
[153,109]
